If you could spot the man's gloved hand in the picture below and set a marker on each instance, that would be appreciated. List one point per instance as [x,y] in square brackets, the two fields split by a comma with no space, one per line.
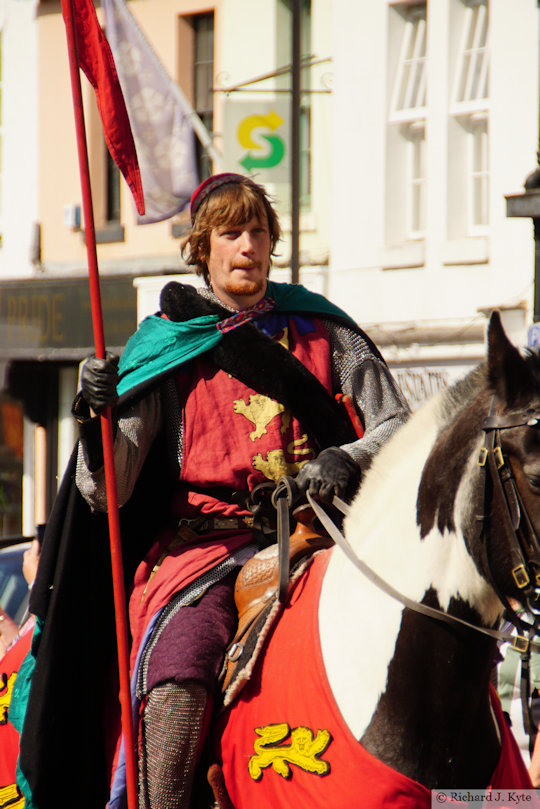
[99,379]
[332,472]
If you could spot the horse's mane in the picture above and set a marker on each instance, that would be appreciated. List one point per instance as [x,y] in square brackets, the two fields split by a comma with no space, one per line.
[459,395]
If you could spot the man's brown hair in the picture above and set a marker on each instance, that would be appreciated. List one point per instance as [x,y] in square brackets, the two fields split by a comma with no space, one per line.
[233,203]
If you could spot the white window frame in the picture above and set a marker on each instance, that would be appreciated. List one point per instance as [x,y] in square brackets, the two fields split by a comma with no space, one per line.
[408,101]
[478,174]
[470,106]
[471,89]
[416,180]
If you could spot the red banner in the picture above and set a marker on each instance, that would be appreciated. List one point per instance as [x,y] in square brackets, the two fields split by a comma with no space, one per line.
[96,59]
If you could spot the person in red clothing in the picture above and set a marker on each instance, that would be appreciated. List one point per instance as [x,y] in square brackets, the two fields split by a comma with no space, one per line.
[15,644]
[239,379]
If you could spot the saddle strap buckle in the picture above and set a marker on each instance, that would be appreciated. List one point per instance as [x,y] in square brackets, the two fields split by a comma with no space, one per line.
[521,644]
[521,577]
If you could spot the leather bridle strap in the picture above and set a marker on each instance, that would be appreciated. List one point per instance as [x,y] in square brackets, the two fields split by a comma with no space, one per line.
[282,499]
[524,542]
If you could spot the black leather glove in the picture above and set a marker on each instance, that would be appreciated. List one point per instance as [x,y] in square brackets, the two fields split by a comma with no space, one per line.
[99,379]
[332,472]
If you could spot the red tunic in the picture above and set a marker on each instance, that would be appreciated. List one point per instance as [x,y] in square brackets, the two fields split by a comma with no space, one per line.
[232,437]
[285,743]
[238,438]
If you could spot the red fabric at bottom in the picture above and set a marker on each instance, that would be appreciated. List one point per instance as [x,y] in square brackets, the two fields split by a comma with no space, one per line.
[9,738]
[285,743]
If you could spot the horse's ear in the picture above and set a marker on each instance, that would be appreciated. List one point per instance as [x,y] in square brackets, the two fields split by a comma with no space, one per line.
[508,372]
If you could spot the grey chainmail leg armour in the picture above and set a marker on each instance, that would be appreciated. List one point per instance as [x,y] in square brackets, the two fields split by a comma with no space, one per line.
[172,728]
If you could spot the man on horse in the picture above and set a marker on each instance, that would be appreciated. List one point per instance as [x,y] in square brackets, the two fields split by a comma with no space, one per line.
[217,396]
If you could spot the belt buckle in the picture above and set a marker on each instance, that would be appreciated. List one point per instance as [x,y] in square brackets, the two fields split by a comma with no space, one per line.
[222,523]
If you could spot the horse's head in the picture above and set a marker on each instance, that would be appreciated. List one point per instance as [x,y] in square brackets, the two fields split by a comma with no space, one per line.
[510,462]
[483,474]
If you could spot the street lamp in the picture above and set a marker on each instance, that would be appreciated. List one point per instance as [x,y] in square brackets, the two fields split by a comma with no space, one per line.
[528,204]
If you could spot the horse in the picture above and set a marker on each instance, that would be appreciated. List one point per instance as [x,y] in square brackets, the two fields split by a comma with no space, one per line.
[350,671]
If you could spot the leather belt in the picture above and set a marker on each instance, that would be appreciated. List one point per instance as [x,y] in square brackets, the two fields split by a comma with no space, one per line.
[187,529]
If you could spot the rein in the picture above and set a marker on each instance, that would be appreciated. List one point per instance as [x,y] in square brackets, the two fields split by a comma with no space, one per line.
[369,573]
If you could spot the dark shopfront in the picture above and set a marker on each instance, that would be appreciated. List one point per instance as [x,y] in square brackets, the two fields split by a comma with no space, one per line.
[45,331]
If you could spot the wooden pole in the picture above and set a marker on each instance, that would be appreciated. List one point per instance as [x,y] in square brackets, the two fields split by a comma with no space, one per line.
[106,419]
[40,475]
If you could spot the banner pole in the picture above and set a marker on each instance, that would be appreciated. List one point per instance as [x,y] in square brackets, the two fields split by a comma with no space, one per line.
[105,417]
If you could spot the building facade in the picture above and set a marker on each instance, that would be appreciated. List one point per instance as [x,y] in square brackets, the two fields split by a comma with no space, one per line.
[233,66]
[417,121]
[436,108]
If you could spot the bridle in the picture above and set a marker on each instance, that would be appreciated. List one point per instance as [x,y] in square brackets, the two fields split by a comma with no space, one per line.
[499,483]
[500,486]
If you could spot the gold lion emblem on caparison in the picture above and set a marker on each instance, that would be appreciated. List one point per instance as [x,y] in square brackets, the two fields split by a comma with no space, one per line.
[11,797]
[304,750]
[6,689]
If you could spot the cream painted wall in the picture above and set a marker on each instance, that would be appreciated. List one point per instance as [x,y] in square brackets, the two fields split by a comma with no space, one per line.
[19,137]
[444,279]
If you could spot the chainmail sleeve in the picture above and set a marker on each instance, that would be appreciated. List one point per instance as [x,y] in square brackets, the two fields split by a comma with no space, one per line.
[379,402]
[136,430]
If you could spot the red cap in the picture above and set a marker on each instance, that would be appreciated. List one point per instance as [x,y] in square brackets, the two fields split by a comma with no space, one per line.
[208,186]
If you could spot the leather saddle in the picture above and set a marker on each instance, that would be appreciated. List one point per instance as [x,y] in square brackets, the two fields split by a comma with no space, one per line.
[257,599]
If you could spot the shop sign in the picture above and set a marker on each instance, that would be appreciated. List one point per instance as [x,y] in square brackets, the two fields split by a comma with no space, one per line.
[47,315]
[256,140]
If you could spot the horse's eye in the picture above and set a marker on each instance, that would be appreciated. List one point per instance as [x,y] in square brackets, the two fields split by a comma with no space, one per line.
[532,471]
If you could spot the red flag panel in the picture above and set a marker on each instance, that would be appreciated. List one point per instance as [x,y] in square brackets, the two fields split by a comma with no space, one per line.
[96,59]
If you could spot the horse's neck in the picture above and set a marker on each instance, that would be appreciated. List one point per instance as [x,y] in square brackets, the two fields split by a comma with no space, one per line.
[367,651]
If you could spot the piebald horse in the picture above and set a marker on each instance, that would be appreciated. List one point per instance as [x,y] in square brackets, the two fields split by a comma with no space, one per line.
[356,690]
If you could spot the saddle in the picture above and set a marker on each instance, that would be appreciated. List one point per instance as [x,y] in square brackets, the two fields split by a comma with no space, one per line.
[258,603]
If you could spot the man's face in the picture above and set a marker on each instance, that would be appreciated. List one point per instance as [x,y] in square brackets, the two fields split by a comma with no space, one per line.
[239,261]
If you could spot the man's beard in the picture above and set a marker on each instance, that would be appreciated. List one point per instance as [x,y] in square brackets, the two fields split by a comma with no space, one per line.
[246,287]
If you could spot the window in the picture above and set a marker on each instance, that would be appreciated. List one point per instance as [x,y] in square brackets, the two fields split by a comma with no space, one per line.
[468,179]
[283,85]
[196,75]
[305,157]
[416,182]
[409,95]
[305,111]
[406,135]
[203,81]
[106,181]
[472,75]
[109,226]
[479,174]
[112,191]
